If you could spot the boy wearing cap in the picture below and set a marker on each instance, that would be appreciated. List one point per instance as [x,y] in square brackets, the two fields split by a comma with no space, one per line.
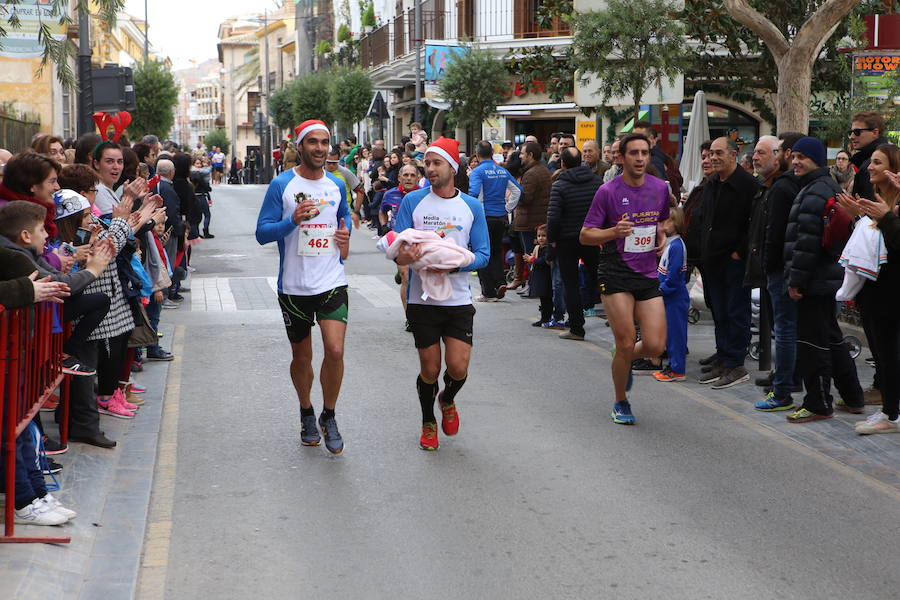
[459,217]
[22,230]
[305,212]
[813,276]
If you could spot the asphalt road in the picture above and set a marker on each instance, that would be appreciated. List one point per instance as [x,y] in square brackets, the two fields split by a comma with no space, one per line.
[539,496]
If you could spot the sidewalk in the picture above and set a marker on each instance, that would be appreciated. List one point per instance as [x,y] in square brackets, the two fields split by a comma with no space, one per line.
[875,456]
[110,490]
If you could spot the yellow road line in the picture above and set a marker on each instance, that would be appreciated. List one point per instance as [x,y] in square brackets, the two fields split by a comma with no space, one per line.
[155,559]
[772,434]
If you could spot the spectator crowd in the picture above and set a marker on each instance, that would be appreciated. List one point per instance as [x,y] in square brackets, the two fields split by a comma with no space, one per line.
[107,229]
[104,229]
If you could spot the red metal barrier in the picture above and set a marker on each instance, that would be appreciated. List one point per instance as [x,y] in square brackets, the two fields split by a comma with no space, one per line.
[30,369]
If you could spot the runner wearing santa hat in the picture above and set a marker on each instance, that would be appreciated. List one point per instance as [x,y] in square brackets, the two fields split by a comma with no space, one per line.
[459,217]
[305,212]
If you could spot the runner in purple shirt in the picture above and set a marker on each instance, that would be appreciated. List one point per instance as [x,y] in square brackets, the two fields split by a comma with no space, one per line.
[625,220]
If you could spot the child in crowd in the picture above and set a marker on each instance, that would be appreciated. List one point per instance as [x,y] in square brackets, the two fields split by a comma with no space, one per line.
[22,230]
[419,138]
[540,259]
[672,272]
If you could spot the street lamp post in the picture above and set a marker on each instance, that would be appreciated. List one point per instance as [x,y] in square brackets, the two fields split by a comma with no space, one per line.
[85,86]
[146,39]
[267,136]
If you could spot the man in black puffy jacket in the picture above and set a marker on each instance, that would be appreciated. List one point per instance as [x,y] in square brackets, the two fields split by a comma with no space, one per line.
[813,276]
[570,199]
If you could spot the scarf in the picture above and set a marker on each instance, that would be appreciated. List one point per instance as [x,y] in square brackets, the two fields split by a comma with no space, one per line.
[49,222]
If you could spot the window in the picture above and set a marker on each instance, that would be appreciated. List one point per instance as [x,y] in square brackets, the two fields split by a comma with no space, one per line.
[253,102]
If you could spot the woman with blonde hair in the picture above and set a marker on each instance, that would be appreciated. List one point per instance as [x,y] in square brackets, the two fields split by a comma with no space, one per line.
[877,299]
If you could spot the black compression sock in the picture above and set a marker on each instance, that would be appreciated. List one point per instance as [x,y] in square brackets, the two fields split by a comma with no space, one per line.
[451,388]
[326,414]
[307,412]
[427,394]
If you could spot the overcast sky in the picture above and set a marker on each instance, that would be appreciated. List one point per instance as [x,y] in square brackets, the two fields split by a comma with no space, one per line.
[188,29]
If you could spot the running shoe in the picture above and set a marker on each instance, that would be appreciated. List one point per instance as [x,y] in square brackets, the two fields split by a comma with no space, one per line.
[486,299]
[52,447]
[39,513]
[590,312]
[667,375]
[842,406]
[802,415]
[50,466]
[334,443]
[73,366]
[449,418]
[429,439]
[133,387]
[119,396]
[309,433]
[643,366]
[771,403]
[878,423]
[554,324]
[56,505]
[113,409]
[538,323]
[622,414]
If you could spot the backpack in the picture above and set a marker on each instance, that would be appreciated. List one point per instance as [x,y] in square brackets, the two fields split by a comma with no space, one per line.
[838,225]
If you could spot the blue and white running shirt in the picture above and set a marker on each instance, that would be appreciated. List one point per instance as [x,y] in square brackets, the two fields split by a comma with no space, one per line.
[461,219]
[309,262]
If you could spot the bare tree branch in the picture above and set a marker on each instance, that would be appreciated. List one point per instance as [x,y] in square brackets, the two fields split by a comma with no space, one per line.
[748,16]
[818,28]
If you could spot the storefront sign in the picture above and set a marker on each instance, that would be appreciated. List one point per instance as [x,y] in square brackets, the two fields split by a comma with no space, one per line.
[585,131]
[23,41]
[875,74]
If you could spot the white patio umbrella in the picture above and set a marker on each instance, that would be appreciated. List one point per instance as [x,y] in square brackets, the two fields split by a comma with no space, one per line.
[698,132]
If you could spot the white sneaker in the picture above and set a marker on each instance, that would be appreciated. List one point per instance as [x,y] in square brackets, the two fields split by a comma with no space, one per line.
[878,423]
[486,299]
[39,513]
[56,505]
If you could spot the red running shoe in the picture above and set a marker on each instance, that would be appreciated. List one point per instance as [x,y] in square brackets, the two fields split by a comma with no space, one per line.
[450,419]
[429,439]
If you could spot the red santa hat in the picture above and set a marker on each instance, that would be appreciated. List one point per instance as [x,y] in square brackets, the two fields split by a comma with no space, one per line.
[446,148]
[305,127]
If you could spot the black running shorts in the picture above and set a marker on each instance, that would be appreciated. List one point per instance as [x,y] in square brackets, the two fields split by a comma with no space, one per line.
[301,312]
[431,323]
[641,291]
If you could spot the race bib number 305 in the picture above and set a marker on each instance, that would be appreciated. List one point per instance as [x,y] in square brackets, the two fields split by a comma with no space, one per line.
[642,239]
[316,241]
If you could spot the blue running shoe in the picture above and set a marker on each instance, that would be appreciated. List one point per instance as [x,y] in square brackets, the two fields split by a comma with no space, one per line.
[309,433]
[333,441]
[622,414]
[771,404]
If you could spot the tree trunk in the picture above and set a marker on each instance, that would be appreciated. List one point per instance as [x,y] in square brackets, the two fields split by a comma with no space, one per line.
[795,58]
[792,103]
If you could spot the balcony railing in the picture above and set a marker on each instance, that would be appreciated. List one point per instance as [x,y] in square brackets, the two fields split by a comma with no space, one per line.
[481,21]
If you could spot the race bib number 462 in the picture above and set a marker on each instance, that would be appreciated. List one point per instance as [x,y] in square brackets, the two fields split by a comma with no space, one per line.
[316,241]
[642,239]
